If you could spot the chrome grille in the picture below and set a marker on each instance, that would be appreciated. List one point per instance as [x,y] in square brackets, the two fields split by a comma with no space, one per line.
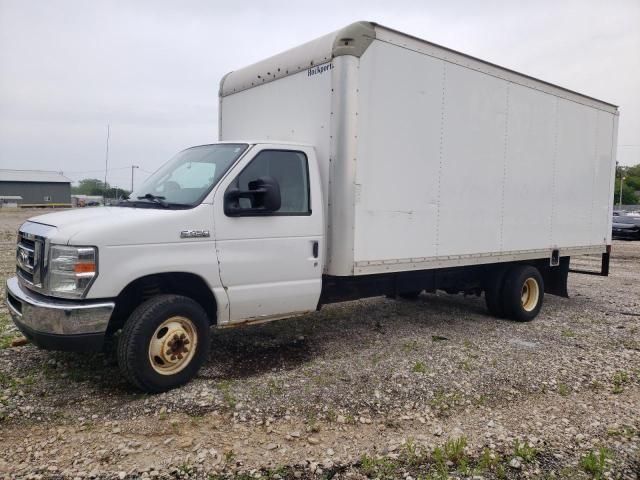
[29,258]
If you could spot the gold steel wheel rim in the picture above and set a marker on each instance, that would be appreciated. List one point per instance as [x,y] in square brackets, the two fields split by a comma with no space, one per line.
[173,345]
[530,294]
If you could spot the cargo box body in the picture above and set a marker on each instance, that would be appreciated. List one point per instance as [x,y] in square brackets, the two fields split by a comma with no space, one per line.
[430,158]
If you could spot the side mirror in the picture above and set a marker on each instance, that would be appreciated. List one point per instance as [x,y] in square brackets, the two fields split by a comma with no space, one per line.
[263,195]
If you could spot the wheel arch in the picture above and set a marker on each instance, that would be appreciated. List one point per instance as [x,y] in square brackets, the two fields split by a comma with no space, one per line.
[141,289]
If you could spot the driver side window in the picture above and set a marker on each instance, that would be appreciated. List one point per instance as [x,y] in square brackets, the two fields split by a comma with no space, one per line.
[290,170]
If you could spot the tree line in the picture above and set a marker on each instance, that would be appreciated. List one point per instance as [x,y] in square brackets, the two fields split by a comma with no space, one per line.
[630,185]
[94,186]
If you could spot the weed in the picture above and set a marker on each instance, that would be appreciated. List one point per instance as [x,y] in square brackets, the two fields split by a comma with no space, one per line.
[410,346]
[275,387]
[524,451]
[332,416]
[454,451]
[445,401]
[563,389]
[439,458]
[227,395]
[5,379]
[186,469]
[567,332]
[480,400]
[5,340]
[619,380]
[596,386]
[489,460]
[594,462]
[625,431]
[229,456]
[376,358]
[412,453]
[382,468]
[312,424]
[419,367]
[466,366]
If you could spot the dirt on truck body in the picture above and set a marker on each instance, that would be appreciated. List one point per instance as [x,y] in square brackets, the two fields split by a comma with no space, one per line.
[377,388]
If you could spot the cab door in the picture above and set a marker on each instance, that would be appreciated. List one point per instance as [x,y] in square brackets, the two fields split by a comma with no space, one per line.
[271,262]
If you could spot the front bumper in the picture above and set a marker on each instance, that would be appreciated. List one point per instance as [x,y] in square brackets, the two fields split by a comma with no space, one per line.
[626,234]
[56,324]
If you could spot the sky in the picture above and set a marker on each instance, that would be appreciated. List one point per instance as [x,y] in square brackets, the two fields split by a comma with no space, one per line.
[151,69]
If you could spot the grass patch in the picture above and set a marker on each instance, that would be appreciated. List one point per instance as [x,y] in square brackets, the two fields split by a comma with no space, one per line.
[489,461]
[466,366]
[382,468]
[620,379]
[454,450]
[563,389]
[227,395]
[419,367]
[444,401]
[410,346]
[524,451]
[6,336]
[594,463]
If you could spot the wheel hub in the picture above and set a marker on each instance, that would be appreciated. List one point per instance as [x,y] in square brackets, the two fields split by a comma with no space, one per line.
[530,294]
[173,345]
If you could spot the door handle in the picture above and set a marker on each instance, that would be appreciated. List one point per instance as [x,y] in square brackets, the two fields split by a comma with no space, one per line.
[315,249]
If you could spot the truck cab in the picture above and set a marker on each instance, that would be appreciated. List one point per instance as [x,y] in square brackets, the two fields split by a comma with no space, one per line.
[220,235]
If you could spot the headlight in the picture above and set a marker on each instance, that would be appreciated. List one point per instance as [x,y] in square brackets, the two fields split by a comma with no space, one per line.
[71,270]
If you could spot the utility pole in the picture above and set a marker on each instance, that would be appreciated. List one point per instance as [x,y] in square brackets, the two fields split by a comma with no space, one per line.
[132,168]
[620,197]
[106,162]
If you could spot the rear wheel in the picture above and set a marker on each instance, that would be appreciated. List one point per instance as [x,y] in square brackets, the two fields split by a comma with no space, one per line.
[164,343]
[522,293]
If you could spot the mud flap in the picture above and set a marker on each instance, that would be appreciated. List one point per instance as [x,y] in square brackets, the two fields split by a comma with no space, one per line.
[555,278]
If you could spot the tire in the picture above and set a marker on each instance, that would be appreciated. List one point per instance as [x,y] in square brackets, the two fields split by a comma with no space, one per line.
[410,295]
[522,293]
[154,352]
[493,293]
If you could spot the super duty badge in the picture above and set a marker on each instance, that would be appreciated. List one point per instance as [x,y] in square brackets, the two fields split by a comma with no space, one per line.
[194,233]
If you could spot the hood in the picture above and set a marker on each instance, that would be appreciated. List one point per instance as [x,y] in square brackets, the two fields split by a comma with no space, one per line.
[103,226]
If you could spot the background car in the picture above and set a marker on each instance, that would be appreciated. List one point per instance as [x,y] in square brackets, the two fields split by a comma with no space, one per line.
[626,226]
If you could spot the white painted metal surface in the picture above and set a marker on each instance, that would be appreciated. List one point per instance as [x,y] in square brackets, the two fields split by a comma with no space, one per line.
[434,158]
[266,263]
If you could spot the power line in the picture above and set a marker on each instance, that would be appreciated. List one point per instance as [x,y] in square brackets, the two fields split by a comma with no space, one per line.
[100,170]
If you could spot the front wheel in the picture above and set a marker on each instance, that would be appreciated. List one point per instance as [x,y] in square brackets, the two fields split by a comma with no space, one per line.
[164,343]
[522,293]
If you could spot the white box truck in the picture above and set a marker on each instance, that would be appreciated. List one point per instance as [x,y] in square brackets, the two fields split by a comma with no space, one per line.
[366,162]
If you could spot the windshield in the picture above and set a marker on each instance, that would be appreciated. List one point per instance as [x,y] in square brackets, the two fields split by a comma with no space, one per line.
[190,175]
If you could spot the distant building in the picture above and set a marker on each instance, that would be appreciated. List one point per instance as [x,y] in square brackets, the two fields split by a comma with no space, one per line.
[10,201]
[38,188]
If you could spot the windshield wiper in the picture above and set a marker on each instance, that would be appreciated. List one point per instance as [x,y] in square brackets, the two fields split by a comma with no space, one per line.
[154,198]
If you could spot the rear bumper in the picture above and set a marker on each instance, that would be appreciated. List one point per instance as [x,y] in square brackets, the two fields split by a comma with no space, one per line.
[58,324]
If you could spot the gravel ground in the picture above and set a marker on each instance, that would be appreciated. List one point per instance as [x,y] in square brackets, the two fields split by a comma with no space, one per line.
[376,388]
